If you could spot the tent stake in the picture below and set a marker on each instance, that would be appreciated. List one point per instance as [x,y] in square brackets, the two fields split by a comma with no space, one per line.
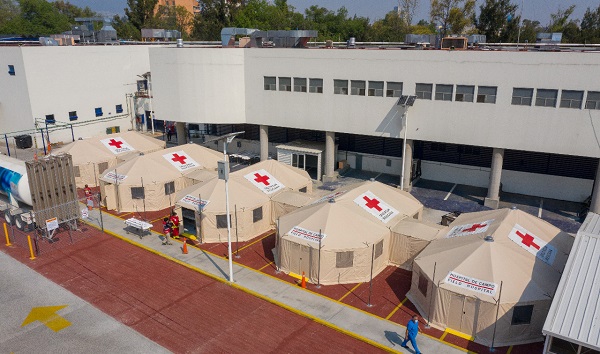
[431,298]
[319,265]
[496,323]
[371,281]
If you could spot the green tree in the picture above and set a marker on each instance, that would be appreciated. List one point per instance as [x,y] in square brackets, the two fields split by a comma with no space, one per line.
[452,15]
[214,15]
[9,10]
[590,26]
[497,20]
[72,11]
[140,13]
[125,29]
[561,22]
[529,31]
[407,10]
[36,18]
[174,17]
[392,28]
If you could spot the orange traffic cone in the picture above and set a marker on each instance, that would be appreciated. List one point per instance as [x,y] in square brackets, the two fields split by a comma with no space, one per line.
[303,283]
[185,251]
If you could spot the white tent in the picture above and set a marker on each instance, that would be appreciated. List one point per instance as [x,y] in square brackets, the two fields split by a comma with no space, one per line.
[249,209]
[351,243]
[409,237]
[503,264]
[93,156]
[290,178]
[150,181]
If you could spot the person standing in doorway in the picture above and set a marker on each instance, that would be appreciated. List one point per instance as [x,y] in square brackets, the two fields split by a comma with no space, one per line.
[170,131]
[412,329]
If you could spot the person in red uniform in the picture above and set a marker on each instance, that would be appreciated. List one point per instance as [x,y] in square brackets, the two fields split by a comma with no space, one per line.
[88,197]
[175,228]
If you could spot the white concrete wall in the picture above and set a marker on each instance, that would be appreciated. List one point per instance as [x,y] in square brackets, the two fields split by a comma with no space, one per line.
[15,107]
[373,163]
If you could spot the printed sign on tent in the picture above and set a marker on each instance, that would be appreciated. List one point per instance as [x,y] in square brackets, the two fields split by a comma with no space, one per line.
[469,229]
[376,207]
[199,203]
[328,197]
[181,161]
[305,234]
[116,145]
[477,285]
[264,181]
[533,244]
[113,176]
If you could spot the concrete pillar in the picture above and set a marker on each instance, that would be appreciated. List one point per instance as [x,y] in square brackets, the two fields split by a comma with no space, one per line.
[181,133]
[595,202]
[329,174]
[264,142]
[493,197]
[408,162]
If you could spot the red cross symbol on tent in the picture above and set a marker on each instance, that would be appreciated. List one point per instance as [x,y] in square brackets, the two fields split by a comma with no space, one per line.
[527,240]
[261,179]
[180,159]
[372,203]
[115,143]
[474,227]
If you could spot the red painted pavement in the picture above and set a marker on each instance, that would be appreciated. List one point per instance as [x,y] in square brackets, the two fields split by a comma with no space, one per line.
[180,309]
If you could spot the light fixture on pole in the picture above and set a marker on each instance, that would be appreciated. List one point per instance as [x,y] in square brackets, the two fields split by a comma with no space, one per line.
[405,102]
[223,170]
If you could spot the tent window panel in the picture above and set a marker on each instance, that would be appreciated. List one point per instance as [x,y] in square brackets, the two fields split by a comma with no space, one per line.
[137,193]
[222,221]
[378,249]
[102,166]
[169,188]
[522,315]
[561,346]
[344,259]
[76,170]
[302,190]
[423,284]
[257,214]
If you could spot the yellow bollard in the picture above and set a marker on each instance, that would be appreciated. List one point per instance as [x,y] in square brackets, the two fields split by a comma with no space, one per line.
[30,248]
[6,234]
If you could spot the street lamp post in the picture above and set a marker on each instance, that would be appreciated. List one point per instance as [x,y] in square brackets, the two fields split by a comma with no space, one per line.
[224,175]
[405,102]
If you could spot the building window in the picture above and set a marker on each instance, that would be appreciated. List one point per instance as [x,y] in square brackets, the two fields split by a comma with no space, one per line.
[443,92]
[344,259]
[137,193]
[77,171]
[302,190]
[376,88]
[119,108]
[522,315]
[571,99]
[357,88]
[315,85]
[593,100]
[73,115]
[11,70]
[98,112]
[394,89]
[464,93]
[270,83]
[299,84]
[423,91]
[340,87]
[222,221]
[285,84]
[522,96]
[50,119]
[546,98]
[378,249]
[423,282]
[169,188]
[257,214]
[486,94]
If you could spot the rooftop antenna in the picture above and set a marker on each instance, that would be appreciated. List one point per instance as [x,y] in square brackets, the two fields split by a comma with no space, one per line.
[519,33]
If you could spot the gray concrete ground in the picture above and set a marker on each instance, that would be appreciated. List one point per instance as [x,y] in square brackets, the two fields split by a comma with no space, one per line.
[90,330]
[340,315]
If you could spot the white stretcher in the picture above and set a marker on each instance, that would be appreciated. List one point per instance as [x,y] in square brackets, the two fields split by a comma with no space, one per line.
[141,227]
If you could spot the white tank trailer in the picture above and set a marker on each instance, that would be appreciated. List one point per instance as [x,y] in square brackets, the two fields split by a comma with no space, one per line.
[13,180]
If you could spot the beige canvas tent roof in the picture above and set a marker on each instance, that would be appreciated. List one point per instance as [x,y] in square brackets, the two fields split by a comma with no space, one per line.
[409,237]
[160,173]
[347,240]
[287,201]
[250,209]
[506,256]
[94,155]
[291,177]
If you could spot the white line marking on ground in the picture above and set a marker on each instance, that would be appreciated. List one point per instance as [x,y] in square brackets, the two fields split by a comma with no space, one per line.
[541,208]
[450,193]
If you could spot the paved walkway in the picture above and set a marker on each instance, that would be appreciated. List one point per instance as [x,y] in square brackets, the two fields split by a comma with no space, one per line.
[356,323]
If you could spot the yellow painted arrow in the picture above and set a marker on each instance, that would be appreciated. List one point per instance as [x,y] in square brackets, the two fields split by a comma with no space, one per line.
[47,315]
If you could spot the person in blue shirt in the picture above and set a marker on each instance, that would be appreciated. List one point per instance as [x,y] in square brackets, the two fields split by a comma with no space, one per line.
[412,329]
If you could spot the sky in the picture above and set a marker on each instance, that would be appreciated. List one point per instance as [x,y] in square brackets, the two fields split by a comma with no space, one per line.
[539,10]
